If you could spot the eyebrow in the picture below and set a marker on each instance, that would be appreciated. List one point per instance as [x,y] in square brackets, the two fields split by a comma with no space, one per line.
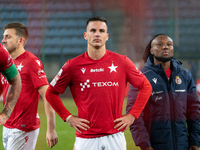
[98,29]
[6,35]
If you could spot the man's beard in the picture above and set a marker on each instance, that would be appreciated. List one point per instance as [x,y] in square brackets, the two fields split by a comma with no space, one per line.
[11,50]
[163,59]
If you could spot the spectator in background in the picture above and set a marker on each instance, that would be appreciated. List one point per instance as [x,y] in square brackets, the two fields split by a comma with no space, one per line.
[171,118]
[97,80]
[22,128]
[10,73]
[193,69]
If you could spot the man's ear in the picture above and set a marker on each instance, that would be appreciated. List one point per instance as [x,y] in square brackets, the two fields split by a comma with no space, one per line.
[107,36]
[151,51]
[22,40]
[85,35]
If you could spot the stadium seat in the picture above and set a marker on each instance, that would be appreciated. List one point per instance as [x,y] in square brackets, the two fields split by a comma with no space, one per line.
[47,41]
[35,32]
[52,50]
[35,23]
[65,42]
[61,23]
[22,15]
[37,41]
[53,23]
[63,32]
[5,15]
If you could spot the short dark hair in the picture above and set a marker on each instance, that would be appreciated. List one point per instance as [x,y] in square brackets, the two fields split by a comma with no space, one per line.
[97,18]
[20,28]
[148,48]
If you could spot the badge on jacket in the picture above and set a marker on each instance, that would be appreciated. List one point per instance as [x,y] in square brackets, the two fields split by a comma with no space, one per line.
[178,80]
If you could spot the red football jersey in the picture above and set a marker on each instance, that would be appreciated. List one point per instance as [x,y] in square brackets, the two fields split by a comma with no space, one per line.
[24,115]
[98,89]
[6,61]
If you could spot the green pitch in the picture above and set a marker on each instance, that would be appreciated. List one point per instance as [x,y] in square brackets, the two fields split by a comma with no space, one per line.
[66,134]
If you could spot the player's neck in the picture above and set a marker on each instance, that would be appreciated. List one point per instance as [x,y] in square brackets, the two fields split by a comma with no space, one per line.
[96,54]
[17,53]
[165,65]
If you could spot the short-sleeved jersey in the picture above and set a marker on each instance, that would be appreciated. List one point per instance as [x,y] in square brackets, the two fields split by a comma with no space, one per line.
[98,89]
[7,67]
[24,115]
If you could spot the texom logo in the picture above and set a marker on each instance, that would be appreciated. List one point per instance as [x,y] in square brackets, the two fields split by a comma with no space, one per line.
[98,84]
[85,84]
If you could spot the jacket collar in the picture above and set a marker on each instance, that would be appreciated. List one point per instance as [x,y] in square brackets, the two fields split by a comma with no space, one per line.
[175,66]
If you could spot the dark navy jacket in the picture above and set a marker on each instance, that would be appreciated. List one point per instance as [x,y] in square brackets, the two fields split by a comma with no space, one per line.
[171,118]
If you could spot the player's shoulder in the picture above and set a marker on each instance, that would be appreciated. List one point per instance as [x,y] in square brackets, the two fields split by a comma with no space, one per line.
[5,56]
[76,59]
[32,59]
[114,54]
[31,56]
[3,49]
[147,70]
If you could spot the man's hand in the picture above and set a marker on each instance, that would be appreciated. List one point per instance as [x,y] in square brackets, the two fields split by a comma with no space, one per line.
[51,138]
[193,147]
[124,122]
[78,123]
[3,118]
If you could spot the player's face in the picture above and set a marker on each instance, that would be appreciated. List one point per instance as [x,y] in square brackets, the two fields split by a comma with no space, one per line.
[96,34]
[162,48]
[10,40]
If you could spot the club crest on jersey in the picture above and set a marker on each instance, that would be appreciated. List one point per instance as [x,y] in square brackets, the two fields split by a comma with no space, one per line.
[178,80]
[113,68]
[19,67]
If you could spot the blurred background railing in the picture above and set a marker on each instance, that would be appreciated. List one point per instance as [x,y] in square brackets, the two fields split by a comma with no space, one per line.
[56,27]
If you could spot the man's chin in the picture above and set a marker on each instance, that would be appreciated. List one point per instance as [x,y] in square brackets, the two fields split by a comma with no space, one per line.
[163,59]
[97,46]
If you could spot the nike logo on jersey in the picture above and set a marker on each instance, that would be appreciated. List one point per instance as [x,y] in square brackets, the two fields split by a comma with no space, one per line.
[112,68]
[19,67]
[83,70]
[154,80]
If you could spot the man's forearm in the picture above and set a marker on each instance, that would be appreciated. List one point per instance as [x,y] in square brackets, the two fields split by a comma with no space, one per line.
[12,96]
